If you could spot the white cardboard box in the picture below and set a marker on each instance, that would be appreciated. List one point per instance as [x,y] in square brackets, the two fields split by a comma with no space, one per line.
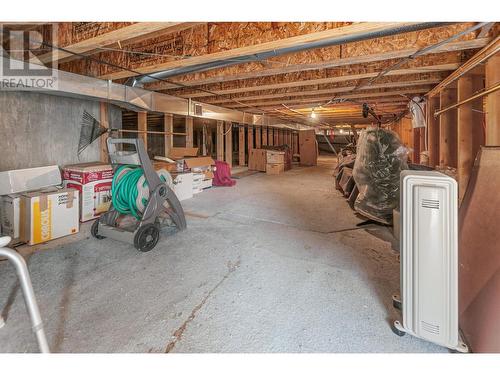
[10,215]
[46,215]
[21,180]
[183,186]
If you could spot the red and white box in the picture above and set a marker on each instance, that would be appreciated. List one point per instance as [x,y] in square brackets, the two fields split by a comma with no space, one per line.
[93,181]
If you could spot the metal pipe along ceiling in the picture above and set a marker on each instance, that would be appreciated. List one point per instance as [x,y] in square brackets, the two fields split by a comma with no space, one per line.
[278,52]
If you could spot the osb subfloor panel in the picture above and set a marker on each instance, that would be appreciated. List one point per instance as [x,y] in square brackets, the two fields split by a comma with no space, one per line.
[274,264]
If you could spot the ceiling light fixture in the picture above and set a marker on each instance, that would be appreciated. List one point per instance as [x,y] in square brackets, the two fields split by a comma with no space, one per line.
[313,114]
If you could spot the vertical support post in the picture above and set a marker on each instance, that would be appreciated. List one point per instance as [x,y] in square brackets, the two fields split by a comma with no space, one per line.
[433,131]
[168,128]
[220,140]
[264,136]
[249,138]
[280,137]
[258,136]
[469,129]
[104,117]
[142,126]
[295,143]
[229,143]
[492,75]
[448,129]
[276,139]
[416,144]
[189,131]
[241,145]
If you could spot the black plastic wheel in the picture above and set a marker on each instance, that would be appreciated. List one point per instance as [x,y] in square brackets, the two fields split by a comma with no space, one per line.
[397,331]
[94,230]
[147,237]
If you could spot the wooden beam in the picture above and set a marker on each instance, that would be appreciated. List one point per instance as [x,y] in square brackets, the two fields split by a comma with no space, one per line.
[220,140]
[492,102]
[448,129]
[337,90]
[351,30]
[189,132]
[258,136]
[346,61]
[264,136]
[295,143]
[319,100]
[142,126]
[241,145]
[229,144]
[104,120]
[433,131]
[276,139]
[250,145]
[323,81]
[469,127]
[128,34]
[168,128]
[490,50]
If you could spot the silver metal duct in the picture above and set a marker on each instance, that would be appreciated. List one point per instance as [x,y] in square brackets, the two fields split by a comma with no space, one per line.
[153,77]
[138,99]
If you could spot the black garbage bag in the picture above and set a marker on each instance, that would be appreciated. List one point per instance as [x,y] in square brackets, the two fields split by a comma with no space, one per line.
[380,158]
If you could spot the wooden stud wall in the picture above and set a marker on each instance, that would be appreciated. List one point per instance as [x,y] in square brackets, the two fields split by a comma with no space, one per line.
[229,143]
[168,121]
[220,140]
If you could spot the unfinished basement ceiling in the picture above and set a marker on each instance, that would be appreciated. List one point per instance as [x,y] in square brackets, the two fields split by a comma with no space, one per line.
[285,70]
[332,81]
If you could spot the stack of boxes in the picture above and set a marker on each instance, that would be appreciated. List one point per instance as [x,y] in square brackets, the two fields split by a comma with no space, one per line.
[33,209]
[191,173]
[275,162]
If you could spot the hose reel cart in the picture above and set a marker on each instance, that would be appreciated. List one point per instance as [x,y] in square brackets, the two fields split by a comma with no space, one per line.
[142,202]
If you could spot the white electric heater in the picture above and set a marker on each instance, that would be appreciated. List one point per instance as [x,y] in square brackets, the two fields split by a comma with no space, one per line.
[429,259]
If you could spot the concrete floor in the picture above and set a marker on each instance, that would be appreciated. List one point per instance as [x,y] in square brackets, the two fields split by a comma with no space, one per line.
[274,264]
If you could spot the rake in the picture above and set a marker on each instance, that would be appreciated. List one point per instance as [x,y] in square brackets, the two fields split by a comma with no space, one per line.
[90,130]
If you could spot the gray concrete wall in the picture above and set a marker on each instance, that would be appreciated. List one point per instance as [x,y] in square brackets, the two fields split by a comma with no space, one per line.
[39,129]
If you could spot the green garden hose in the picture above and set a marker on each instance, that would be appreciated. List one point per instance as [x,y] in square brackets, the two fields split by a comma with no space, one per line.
[124,189]
[129,189]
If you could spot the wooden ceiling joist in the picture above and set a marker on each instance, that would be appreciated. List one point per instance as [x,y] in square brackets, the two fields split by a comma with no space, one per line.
[484,54]
[128,34]
[350,30]
[362,59]
[332,91]
[329,80]
[321,99]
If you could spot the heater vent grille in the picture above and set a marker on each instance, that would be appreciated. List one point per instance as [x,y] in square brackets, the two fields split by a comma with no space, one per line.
[431,328]
[430,203]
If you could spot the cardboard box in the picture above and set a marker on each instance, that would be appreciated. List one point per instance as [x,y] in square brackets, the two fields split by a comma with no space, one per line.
[176,153]
[93,181]
[183,185]
[277,168]
[275,157]
[48,215]
[10,215]
[200,163]
[170,167]
[21,180]
[257,160]
[206,184]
